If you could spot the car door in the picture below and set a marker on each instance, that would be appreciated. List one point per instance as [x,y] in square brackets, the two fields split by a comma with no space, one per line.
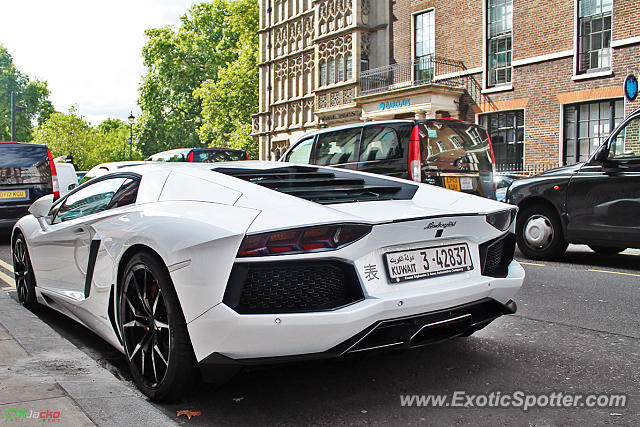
[603,199]
[383,149]
[64,249]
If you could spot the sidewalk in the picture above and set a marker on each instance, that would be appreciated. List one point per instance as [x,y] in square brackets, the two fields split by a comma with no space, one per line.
[43,375]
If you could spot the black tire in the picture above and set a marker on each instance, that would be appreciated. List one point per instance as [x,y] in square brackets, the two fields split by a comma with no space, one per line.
[606,250]
[23,273]
[156,340]
[553,246]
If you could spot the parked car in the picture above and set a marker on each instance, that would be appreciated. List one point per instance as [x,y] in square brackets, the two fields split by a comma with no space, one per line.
[191,269]
[450,153]
[200,155]
[27,172]
[502,184]
[67,177]
[595,203]
[105,168]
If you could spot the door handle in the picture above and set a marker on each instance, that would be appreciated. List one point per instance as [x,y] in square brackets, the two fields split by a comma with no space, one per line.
[79,230]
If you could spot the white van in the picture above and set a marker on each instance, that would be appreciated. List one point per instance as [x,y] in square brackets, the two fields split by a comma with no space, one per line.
[66,177]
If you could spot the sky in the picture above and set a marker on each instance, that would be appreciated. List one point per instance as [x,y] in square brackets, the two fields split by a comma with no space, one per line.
[88,51]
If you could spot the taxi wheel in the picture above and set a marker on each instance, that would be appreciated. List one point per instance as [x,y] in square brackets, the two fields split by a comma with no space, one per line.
[539,233]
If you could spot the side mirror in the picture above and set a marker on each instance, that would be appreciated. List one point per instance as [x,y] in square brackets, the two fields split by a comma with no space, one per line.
[41,207]
[602,154]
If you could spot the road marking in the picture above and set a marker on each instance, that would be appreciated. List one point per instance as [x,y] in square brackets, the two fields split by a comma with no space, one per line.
[3,264]
[8,280]
[532,263]
[614,272]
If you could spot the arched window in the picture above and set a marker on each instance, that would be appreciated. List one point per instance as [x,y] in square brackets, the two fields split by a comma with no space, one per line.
[331,65]
[323,72]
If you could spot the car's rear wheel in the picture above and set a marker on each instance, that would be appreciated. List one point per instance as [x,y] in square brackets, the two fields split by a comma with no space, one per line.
[23,273]
[606,250]
[539,234]
[156,340]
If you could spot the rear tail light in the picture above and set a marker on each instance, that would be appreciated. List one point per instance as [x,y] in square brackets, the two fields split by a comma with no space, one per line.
[300,240]
[247,156]
[190,157]
[54,177]
[415,160]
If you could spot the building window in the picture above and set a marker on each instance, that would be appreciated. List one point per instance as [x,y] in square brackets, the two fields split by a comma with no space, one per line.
[499,41]
[594,35]
[424,46]
[586,126]
[506,130]
[323,72]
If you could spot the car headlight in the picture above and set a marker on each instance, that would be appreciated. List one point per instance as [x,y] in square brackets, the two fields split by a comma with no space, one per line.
[501,220]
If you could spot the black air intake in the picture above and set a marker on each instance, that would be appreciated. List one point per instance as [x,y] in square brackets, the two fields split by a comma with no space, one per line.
[497,254]
[291,287]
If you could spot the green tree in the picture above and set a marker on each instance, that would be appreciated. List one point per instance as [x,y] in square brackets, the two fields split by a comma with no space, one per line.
[67,134]
[70,134]
[32,94]
[211,36]
[229,100]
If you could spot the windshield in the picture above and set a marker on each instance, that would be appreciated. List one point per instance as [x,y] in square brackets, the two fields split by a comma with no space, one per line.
[219,156]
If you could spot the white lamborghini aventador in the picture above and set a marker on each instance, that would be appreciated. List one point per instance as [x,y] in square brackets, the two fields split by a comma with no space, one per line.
[191,268]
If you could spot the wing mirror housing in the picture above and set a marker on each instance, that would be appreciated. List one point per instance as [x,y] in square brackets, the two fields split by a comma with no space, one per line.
[602,154]
[41,207]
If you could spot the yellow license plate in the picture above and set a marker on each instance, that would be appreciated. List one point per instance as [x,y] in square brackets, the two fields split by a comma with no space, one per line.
[13,194]
[452,183]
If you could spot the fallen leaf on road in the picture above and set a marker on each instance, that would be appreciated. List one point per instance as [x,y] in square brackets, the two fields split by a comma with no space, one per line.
[189,413]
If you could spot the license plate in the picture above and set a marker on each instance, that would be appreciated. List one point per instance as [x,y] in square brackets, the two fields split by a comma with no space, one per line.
[428,262]
[13,194]
[466,183]
[452,183]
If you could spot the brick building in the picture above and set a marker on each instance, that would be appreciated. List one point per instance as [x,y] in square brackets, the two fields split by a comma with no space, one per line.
[545,77]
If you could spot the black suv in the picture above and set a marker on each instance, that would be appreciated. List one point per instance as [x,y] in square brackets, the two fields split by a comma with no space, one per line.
[595,203]
[450,153]
[27,172]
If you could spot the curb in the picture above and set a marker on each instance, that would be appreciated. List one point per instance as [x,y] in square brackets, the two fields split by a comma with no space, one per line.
[104,399]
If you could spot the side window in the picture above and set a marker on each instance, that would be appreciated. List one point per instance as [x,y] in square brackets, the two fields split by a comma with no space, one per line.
[380,143]
[337,147]
[92,199]
[301,153]
[627,143]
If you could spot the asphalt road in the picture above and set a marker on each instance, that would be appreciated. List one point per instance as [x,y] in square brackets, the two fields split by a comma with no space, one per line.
[577,330]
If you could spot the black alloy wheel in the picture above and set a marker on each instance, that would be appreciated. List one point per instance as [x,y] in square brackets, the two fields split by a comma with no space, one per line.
[23,274]
[154,331]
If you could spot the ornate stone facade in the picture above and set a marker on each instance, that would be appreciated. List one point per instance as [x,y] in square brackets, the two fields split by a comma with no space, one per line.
[308,69]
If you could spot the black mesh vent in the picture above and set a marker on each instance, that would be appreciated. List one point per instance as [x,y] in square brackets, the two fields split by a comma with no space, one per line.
[291,287]
[324,186]
[496,255]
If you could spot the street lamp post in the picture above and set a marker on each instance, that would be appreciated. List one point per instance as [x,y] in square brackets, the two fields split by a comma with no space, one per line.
[131,119]
[14,108]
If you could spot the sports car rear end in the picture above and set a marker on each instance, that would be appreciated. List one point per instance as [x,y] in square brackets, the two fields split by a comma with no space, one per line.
[352,262]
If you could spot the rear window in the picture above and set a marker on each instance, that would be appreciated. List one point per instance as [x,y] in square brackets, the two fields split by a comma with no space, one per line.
[453,145]
[24,164]
[219,156]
